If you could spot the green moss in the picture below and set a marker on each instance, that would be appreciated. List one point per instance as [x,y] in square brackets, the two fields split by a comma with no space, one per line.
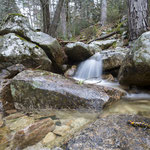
[21,37]
[10,15]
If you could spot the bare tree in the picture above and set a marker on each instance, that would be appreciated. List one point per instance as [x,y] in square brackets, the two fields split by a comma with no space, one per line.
[137,17]
[46,15]
[103,12]
[56,18]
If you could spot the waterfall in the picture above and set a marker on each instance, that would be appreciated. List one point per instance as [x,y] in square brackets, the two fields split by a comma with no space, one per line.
[90,68]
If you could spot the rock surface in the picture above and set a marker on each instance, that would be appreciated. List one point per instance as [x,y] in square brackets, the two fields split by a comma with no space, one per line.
[16,50]
[78,51]
[112,59]
[11,71]
[105,44]
[19,24]
[40,89]
[33,134]
[112,132]
[135,69]
[5,96]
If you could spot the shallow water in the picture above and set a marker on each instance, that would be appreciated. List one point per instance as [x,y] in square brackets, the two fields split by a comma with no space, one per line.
[129,106]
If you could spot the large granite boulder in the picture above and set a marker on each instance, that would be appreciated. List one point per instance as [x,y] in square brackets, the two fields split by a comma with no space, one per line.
[112,59]
[135,69]
[79,51]
[40,89]
[19,24]
[112,133]
[16,50]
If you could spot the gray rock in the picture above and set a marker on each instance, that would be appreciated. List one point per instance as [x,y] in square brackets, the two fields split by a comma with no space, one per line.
[40,89]
[11,71]
[135,69]
[105,43]
[16,50]
[112,133]
[78,51]
[112,59]
[19,24]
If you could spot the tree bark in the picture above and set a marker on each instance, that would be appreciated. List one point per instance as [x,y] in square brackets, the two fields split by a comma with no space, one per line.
[46,16]
[56,19]
[63,21]
[103,12]
[137,18]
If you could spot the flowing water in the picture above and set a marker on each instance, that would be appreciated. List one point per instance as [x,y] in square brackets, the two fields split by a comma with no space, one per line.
[90,72]
[91,68]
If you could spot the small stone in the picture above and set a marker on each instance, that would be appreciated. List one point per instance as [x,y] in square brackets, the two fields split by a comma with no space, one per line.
[12,111]
[49,138]
[14,116]
[33,134]
[61,130]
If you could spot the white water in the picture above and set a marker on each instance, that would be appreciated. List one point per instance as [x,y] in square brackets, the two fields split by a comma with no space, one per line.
[90,68]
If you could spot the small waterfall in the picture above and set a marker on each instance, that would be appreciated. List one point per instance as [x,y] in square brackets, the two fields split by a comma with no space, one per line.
[90,68]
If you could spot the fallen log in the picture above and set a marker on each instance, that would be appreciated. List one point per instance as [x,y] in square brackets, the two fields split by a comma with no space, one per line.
[103,37]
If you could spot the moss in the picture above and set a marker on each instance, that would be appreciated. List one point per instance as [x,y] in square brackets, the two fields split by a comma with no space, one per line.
[21,37]
[5,19]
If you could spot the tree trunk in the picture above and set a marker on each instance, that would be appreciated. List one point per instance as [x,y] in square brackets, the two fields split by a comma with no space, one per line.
[46,15]
[56,19]
[137,17]
[103,12]
[63,21]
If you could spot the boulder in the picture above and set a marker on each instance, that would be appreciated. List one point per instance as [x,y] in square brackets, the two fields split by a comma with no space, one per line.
[112,59]
[135,69]
[16,50]
[78,51]
[40,89]
[19,24]
[6,100]
[105,44]
[33,134]
[11,71]
[112,132]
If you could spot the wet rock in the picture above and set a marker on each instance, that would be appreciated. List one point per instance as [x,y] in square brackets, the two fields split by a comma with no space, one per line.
[61,130]
[104,44]
[20,25]
[78,51]
[49,138]
[5,96]
[1,120]
[11,71]
[14,116]
[16,124]
[40,89]
[112,132]
[108,77]
[70,72]
[135,69]
[112,59]
[33,134]
[14,50]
